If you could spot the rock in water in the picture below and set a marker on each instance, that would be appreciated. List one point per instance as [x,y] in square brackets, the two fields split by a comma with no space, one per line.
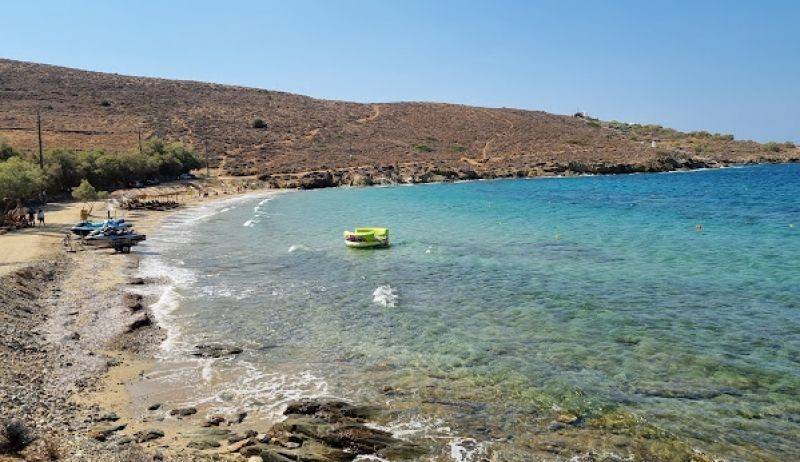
[215,350]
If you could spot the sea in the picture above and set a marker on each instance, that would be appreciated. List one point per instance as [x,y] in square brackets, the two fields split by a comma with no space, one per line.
[668,300]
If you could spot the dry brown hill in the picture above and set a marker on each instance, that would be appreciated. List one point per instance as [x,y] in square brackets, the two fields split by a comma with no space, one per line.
[93,110]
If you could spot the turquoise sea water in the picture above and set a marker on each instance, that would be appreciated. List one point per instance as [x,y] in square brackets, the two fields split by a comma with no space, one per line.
[502,302]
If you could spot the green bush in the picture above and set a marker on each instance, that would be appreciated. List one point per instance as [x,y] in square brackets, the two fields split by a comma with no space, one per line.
[6,151]
[772,147]
[422,148]
[20,180]
[85,192]
[61,171]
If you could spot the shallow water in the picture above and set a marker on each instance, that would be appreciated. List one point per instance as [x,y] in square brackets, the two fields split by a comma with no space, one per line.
[500,300]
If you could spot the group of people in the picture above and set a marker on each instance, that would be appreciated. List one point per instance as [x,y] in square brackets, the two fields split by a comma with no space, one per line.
[34,216]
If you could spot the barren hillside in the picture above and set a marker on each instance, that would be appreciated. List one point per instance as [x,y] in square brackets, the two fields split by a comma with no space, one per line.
[92,110]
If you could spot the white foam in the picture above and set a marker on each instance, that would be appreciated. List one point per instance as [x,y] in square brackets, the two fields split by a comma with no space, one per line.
[208,371]
[467,450]
[249,223]
[163,310]
[297,247]
[385,296]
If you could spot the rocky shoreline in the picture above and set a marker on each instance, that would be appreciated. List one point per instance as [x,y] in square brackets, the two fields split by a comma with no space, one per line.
[416,173]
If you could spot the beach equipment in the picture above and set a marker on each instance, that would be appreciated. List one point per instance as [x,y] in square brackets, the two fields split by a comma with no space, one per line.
[86,227]
[367,238]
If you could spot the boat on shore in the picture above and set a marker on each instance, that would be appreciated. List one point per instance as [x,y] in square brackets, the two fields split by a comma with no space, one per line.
[364,238]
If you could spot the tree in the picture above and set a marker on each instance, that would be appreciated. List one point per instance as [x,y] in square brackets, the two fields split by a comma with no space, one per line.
[86,193]
[6,151]
[60,170]
[20,181]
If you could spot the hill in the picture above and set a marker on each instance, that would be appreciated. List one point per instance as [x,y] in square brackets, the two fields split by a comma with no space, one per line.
[312,142]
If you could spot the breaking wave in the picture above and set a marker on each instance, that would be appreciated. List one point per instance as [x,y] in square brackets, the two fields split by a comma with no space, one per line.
[385,296]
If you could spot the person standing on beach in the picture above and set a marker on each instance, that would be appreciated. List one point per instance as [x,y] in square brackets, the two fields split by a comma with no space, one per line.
[31,216]
[40,216]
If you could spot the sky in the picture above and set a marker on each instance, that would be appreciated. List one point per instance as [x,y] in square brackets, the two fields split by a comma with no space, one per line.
[723,66]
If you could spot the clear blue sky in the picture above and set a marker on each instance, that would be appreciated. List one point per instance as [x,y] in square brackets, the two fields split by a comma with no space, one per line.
[726,66]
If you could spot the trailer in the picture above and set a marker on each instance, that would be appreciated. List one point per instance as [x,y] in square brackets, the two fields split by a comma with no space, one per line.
[120,242]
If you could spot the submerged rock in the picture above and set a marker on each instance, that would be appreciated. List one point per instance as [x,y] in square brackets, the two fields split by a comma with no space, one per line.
[330,409]
[323,430]
[215,350]
[203,443]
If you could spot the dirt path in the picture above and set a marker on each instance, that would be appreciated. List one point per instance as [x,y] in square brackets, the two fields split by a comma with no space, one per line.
[376,113]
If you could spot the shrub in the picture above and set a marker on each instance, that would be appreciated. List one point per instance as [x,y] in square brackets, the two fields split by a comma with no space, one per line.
[61,171]
[14,437]
[20,180]
[789,145]
[422,148]
[105,103]
[772,147]
[259,123]
[700,148]
[458,149]
[85,192]
[6,151]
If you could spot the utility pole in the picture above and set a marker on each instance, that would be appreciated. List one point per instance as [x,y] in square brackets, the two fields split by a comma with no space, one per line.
[39,130]
[140,140]
[205,150]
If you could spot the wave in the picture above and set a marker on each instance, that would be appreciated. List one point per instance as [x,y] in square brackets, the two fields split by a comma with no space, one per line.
[227,387]
[297,247]
[385,295]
